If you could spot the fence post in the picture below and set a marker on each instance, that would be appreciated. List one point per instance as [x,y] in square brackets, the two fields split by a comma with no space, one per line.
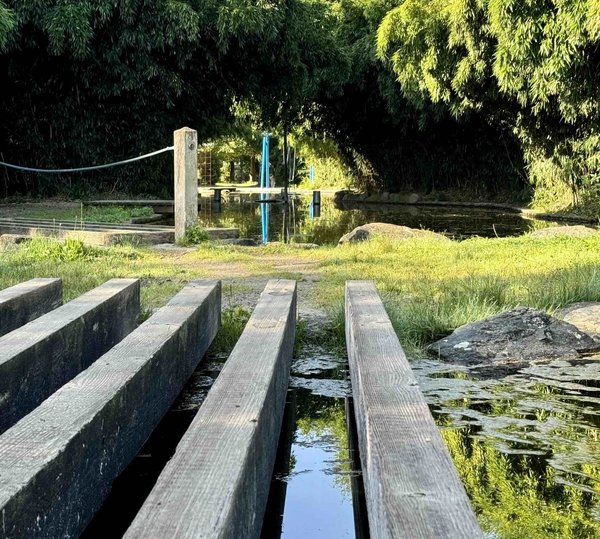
[186,179]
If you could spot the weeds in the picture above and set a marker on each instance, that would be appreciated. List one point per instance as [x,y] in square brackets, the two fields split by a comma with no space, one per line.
[233,322]
[193,236]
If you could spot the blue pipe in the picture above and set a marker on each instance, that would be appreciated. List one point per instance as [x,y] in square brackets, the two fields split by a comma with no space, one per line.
[264,183]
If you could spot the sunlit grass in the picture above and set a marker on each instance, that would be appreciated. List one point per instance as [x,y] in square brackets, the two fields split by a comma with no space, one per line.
[429,287]
[432,287]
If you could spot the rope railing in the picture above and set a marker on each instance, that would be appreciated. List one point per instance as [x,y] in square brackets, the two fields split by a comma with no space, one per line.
[83,169]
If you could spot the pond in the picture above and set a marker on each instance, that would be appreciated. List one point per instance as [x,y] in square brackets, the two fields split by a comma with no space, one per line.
[244,211]
[526,445]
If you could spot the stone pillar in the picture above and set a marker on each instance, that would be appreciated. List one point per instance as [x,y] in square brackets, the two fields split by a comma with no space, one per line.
[186,179]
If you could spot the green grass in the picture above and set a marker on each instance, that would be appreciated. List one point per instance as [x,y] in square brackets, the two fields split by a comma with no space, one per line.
[100,214]
[429,287]
[193,236]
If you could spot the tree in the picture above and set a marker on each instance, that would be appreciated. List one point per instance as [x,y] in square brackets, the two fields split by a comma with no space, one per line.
[397,141]
[95,81]
[528,66]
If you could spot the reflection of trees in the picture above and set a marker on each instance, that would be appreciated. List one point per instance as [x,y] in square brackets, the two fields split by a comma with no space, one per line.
[517,495]
[331,225]
[319,416]
[244,216]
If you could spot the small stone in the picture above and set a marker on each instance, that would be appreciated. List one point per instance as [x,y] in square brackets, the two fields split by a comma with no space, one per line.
[8,240]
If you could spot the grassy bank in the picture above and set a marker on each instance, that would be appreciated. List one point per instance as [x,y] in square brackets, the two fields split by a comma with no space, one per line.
[73,211]
[429,287]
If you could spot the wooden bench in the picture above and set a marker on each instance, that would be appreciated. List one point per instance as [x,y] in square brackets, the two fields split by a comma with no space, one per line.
[26,301]
[58,462]
[218,482]
[411,485]
[39,357]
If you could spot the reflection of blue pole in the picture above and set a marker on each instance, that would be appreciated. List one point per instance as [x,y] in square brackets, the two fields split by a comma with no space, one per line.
[311,174]
[264,183]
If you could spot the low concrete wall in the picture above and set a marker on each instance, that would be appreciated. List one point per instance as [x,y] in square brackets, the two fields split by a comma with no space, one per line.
[26,301]
[103,234]
[58,463]
[39,357]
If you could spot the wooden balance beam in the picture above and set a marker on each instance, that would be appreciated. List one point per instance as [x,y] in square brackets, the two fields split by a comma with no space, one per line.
[218,481]
[58,463]
[411,485]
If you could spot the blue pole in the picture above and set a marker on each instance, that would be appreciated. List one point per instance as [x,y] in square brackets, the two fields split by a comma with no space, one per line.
[264,183]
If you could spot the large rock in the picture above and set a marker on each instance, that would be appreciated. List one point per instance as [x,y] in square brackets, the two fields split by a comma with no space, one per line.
[365,232]
[513,338]
[585,316]
[574,231]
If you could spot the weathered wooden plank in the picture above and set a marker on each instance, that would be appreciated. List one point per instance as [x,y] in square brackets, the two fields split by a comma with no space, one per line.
[58,463]
[39,357]
[26,301]
[412,487]
[217,483]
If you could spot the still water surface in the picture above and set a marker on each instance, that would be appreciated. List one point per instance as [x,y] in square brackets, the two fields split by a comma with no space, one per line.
[244,211]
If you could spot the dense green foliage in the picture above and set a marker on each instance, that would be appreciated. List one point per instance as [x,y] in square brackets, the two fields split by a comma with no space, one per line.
[530,67]
[89,82]
[415,94]
[397,145]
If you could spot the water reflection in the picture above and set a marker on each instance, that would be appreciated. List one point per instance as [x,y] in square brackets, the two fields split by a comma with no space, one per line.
[316,479]
[259,216]
[526,444]
[317,485]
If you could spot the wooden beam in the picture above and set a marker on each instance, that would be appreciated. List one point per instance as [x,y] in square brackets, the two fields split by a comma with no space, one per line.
[218,482]
[412,487]
[58,463]
[39,357]
[26,301]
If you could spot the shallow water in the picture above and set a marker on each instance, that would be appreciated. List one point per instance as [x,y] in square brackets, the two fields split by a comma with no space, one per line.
[526,445]
[244,212]
[316,482]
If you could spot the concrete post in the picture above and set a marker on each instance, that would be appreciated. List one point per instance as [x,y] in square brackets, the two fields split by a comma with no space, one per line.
[186,179]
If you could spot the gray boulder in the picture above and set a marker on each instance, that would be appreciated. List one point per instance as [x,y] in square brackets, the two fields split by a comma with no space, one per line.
[398,232]
[585,316]
[513,338]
